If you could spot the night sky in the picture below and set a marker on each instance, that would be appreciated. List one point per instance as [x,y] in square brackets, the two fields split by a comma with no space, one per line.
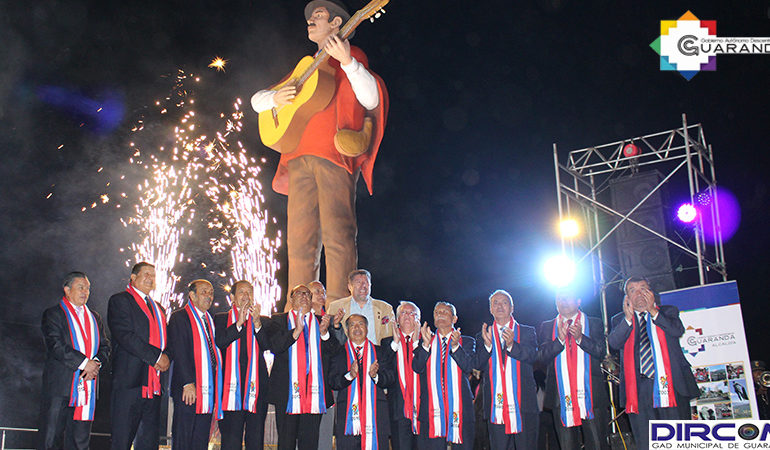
[464,193]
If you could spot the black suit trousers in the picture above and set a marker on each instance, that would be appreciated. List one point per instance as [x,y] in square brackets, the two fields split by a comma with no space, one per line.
[189,431]
[594,432]
[401,437]
[57,427]
[297,430]
[231,427]
[640,422]
[134,420]
[526,439]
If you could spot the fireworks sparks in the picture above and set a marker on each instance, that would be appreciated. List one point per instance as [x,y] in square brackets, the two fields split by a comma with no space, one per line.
[199,181]
[218,63]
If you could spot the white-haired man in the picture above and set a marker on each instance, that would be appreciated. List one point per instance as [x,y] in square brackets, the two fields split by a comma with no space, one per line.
[404,398]
[508,385]
[444,361]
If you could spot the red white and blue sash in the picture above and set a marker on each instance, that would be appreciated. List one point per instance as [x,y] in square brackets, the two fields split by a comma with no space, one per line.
[362,398]
[236,397]
[408,380]
[85,339]
[157,327]
[663,395]
[208,383]
[505,381]
[573,376]
[306,378]
[445,406]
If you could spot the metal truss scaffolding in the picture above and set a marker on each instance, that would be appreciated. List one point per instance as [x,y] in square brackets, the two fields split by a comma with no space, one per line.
[587,173]
[582,182]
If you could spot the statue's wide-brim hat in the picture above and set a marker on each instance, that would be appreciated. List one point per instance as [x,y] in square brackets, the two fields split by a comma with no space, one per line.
[335,8]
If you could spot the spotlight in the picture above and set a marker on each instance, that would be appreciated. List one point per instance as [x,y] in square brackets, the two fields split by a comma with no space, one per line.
[686,213]
[569,228]
[559,270]
[703,198]
[630,150]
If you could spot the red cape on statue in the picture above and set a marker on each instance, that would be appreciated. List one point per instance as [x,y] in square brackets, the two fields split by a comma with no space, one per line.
[343,112]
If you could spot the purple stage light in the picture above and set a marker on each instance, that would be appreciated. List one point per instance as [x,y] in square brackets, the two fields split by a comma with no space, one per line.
[703,199]
[729,213]
[686,213]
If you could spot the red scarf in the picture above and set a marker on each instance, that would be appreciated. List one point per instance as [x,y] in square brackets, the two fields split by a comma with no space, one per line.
[361,393]
[505,381]
[572,367]
[409,381]
[85,339]
[208,382]
[157,326]
[237,397]
[445,400]
[306,377]
[663,395]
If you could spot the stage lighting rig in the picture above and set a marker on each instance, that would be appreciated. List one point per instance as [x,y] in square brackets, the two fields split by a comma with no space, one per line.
[559,270]
[569,228]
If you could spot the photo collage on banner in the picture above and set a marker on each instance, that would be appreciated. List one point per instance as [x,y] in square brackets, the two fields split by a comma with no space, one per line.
[723,392]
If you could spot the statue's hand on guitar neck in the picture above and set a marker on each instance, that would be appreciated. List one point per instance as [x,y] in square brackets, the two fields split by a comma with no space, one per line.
[338,49]
[284,95]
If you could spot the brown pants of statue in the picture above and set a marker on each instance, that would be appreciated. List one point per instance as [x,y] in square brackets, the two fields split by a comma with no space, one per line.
[321,211]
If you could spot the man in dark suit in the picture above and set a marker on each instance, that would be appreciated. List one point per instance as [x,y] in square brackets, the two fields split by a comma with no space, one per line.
[244,389]
[138,327]
[637,369]
[196,372]
[356,370]
[560,340]
[445,360]
[75,348]
[508,343]
[300,398]
[403,417]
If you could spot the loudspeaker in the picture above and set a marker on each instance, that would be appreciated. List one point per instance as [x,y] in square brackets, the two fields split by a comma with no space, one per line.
[626,192]
[651,218]
[649,257]
[640,252]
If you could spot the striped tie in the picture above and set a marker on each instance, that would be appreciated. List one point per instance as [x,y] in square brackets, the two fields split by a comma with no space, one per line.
[209,339]
[645,349]
[443,363]
[443,349]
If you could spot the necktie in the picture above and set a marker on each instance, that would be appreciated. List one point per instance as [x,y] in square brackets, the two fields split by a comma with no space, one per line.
[148,300]
[409,350]
[570,339]
[358,357]
[360,368]
[443,364]
[212,355]
[443,349]
[645,349]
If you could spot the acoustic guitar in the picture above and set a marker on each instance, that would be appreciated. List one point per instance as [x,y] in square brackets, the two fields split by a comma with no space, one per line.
[281,128]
